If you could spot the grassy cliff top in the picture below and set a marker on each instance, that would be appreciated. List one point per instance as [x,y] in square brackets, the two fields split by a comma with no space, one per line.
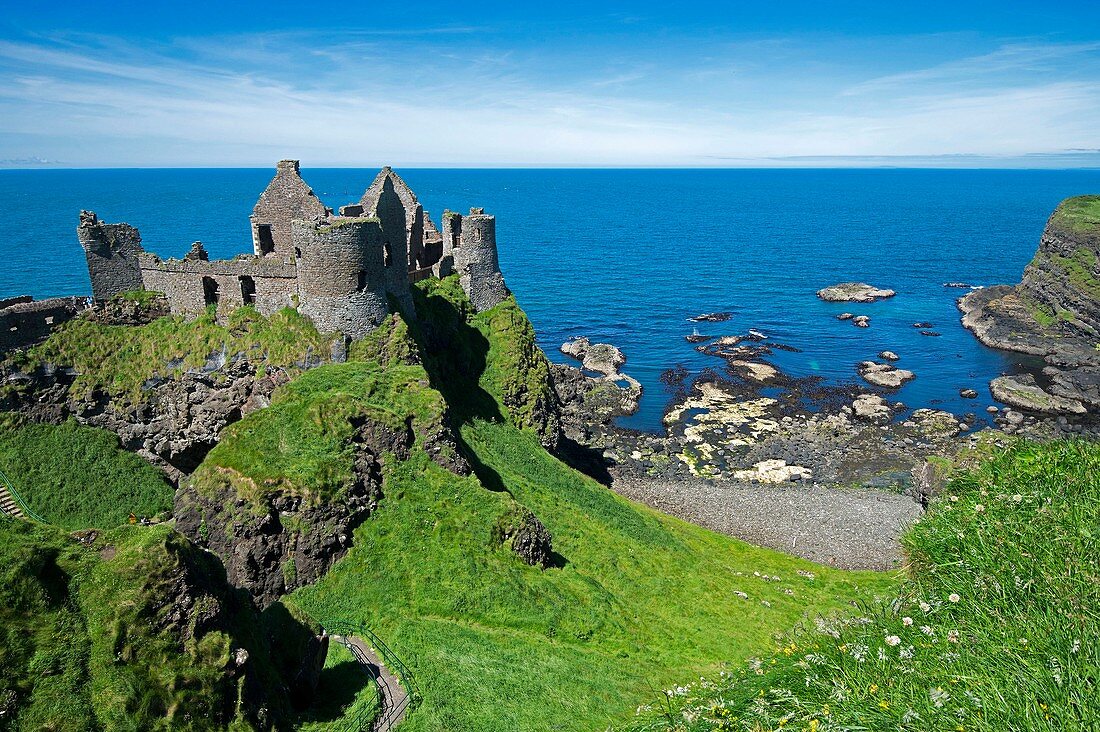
[1080,214]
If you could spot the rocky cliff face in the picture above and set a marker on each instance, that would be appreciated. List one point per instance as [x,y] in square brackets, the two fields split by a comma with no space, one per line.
[1054,313]
[178,422]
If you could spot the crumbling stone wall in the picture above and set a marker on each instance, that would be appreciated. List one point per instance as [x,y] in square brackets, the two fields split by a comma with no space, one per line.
[390,213]
[187,283]
[342,276]
[285,199]
[24,322]
[476,261]
[112,251]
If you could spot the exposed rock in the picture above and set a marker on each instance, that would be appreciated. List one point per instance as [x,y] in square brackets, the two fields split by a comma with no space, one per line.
[854,292]
[774,471]
[922,325]
[757,335]
[889,356]
[1023,392]
[931,333]
[871,408]
[884,374]
[968,393]
[755,370]
[712,317]
[845,316]
[861,321]
[530,539]
[601,358]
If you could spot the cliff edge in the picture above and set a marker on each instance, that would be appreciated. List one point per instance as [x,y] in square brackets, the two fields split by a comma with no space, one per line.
[1054,313]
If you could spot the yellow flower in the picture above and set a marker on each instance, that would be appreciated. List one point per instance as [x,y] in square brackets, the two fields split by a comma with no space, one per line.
[813,725]
[825,710]
[884,704]
[874,688]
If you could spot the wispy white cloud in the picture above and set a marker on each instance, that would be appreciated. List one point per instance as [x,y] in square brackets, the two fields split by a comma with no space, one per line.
[439,96]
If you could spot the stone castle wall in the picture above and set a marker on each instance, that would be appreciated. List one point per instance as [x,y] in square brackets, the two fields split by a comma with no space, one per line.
[266,283]
[112,252]
[24,322]
[390,212]
[342,280]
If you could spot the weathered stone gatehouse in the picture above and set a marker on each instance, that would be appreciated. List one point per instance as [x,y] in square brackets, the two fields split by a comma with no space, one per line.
[341,270]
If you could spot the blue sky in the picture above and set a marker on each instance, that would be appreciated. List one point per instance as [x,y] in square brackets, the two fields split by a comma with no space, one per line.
[1004,84]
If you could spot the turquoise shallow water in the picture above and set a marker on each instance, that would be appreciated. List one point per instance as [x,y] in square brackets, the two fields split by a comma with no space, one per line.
[628,255]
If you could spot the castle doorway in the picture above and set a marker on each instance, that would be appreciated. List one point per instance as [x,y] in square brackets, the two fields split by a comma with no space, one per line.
[267,241]
[210,290]
[248,290]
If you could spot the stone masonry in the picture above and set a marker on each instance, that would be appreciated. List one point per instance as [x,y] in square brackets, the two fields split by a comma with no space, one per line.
[342,271]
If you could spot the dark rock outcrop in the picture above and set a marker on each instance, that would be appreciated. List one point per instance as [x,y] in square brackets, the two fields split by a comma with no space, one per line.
[1054,312]
[529,538]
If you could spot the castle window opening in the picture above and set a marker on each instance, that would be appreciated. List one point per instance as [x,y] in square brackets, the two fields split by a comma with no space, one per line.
[267,241]
[477,234]
[387,257]
[210,290]
[297,252]
[248,290]
[362,280]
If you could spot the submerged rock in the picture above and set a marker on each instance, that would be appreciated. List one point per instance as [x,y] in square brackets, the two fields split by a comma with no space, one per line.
[854,292]
[712,317]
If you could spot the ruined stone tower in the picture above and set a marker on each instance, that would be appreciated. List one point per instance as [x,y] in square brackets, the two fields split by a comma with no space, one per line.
[112,251]
[476,260]
[389,211]
[341,274]
[286,198]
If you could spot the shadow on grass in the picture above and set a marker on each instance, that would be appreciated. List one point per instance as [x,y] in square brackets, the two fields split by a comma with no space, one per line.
[340,686]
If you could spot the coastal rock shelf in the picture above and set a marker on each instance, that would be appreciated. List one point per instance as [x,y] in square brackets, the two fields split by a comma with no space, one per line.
[854,292]
[1053,313]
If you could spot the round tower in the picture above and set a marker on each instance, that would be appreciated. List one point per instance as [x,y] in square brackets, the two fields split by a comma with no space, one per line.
[341,274]
[476,260]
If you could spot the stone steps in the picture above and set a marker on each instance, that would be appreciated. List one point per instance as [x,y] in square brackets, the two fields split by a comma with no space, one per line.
[8,506]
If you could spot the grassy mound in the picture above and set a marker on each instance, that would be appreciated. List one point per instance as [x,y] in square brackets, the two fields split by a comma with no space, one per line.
[119,359]
[78,477]
[132,630]
[999,627]
[636,599]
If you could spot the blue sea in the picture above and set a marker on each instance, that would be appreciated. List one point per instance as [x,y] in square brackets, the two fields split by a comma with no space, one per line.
[627,256]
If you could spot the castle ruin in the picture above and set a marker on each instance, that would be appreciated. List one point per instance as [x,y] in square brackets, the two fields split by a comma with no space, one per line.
[344,271]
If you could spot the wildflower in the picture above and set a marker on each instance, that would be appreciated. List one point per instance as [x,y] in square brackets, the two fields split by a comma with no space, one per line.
[765,603]
[939,697]
[873,689]
[1023,641]
[1076,646]
[954,499]
[979,508]
[892,640]
[906,653]
[907,622]
[925,607]
[1017,498]
[953,636]
[954,597]
[927,630]
[884,704]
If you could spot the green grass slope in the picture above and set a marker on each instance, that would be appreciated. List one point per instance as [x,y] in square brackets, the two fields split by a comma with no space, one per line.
[132,629]
[78,477]
[997,629]
[636,599]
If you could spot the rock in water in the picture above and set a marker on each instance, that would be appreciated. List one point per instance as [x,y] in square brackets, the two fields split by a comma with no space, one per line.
[602,358]
[854,292]
[1023,392]
[889,356]
[884,374]
[861,321]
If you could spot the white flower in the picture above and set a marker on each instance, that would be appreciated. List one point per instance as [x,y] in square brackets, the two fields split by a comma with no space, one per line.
[953,636]
[938,696]
[978,508]
[927,630]
[1076,646]
[954,597]
[907,621]
[1023,641]
[892,640]
[1017,498]
[925,607]
[954,499]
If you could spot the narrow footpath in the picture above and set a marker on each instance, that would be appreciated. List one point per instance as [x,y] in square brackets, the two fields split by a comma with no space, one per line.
[394,698]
